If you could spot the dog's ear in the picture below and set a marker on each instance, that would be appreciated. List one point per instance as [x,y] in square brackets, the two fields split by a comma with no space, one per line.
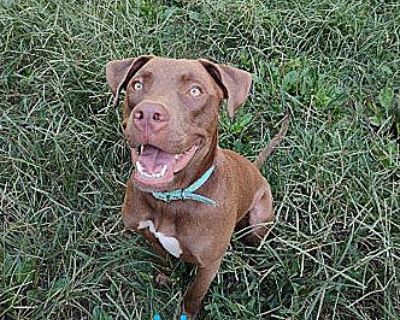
[119,72]
[235,83]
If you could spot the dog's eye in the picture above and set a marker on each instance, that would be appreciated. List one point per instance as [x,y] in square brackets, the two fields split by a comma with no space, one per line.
[195,91]
[137,85]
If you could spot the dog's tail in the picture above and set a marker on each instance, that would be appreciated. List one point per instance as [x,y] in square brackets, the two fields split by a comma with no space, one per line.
[270,149]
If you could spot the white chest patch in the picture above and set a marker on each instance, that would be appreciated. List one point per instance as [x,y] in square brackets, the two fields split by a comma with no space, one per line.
[170,244]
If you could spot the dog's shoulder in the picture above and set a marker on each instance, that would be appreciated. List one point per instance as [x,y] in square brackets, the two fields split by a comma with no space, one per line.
[234,159]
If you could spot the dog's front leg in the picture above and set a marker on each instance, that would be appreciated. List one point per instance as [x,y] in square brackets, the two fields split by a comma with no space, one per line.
[198,288]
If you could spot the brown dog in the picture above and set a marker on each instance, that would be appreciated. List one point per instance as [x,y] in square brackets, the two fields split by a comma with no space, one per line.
[187,194]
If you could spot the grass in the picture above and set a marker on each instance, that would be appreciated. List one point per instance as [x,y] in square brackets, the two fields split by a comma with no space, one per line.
[334,252]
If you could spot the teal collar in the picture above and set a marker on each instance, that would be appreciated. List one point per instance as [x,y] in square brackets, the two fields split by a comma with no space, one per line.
[188,193]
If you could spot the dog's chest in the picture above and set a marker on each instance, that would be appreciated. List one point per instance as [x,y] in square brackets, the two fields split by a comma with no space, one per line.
[164,235]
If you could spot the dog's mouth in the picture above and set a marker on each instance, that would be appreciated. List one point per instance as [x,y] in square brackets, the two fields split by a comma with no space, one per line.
[156,167]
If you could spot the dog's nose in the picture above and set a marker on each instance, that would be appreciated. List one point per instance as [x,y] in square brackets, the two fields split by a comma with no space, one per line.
[150,117]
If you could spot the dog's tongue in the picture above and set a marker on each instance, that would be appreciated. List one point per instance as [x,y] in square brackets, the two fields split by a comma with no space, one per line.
[153,159]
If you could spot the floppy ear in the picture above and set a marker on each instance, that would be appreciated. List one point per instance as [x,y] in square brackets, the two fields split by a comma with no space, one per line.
[119,72]
[235,83]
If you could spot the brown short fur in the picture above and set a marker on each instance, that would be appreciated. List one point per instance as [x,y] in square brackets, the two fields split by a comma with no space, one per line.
[241,193]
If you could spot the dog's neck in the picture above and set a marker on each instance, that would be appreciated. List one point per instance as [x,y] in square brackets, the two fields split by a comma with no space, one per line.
[197,168]
[188,193]
[208,159]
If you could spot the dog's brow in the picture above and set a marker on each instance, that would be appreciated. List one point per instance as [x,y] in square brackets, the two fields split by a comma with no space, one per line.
[187,76]
[146,74]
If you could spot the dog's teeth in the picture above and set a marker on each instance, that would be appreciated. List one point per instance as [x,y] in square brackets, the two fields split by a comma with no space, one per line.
[156,175]
[176,156]
[139,167]
[163,170]
[141,148]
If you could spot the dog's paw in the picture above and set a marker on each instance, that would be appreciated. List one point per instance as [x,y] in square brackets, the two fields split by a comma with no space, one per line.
[189,315]
[161,280]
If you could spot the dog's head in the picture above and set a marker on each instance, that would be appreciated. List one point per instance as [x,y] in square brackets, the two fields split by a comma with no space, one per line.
[171,112]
